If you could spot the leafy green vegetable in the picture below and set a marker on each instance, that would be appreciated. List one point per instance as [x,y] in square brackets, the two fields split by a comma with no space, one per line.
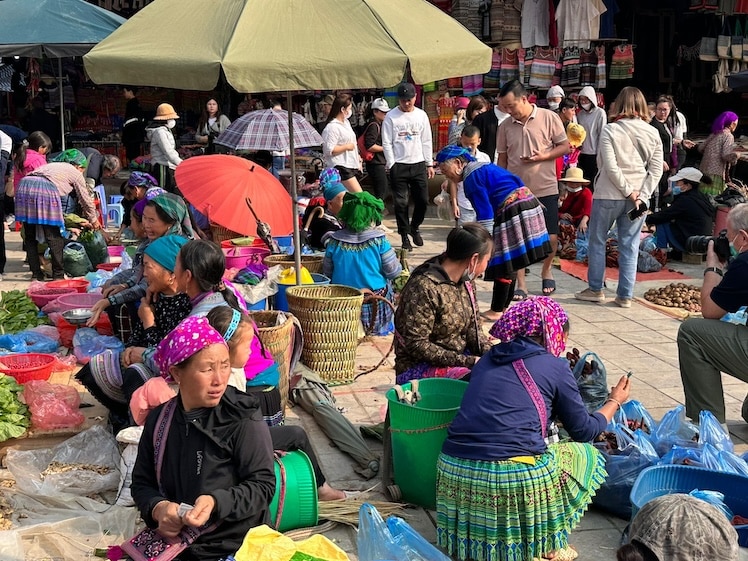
[14,415]
[18,312]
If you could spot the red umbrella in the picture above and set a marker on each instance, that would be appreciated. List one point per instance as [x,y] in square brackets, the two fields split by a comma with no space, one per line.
[218,184]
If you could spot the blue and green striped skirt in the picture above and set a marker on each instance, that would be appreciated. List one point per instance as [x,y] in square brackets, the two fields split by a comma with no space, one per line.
[512,511]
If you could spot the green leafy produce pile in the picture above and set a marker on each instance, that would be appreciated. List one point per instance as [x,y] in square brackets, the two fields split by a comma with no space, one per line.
[14,415]
[18,312]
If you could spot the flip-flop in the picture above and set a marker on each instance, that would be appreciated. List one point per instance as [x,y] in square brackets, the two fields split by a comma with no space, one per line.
[519,295]
[549,287]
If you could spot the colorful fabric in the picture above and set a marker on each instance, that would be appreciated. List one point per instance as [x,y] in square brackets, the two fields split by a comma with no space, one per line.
[570,67]
[269,399]
[536,316]
[38,202]
[191,336]
[511,510]
[453,151]
[142,179]
[622,63]
[424,370]
[377,316]
[164,251]
[327,177]
[333,188]
[176,209]
[360,259]
[72,156]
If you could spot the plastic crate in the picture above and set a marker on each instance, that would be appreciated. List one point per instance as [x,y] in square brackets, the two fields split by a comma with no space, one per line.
[25,367]
[657,481]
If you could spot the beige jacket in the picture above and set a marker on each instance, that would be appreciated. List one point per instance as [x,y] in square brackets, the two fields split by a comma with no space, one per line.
[629,158]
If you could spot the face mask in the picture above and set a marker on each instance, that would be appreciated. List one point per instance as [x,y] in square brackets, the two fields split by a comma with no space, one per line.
[171,123]
[553,105]
[574,189]
[586,106]
[348,112]
[469,275]
[734,252]
[677,190]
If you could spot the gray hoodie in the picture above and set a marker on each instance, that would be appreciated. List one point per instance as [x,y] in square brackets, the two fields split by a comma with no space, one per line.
[593,121]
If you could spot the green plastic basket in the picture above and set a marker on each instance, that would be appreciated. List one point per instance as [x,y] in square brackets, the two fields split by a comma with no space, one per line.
[299,497]
[418,432]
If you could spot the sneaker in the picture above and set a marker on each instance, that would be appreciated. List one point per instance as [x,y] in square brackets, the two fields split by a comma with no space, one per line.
[417,239]
[623,302]
[406,243]
[589,295]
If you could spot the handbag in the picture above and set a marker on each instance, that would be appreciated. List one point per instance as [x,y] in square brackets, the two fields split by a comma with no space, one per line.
[736,42]
[149,544]
[365,154]
[724,40]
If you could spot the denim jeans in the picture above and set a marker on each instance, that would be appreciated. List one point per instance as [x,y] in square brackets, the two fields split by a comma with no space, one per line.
[604,214]
[664,237]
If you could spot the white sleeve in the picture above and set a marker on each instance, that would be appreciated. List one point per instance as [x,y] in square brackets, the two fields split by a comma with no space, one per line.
[426,141]
[389,154]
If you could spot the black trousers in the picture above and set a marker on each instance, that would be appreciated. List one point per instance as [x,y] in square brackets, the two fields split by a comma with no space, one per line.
[409,179]
[378,177]
[56,244]
[289,438]
[588,164]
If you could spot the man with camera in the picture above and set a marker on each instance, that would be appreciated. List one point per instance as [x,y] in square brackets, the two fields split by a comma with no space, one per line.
[709,346]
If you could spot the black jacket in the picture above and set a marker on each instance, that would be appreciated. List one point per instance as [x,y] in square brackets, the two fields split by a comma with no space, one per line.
[691,214]
[487,122]
[224,451]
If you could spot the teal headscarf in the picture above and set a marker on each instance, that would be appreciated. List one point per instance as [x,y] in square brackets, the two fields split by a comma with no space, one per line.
[176,209]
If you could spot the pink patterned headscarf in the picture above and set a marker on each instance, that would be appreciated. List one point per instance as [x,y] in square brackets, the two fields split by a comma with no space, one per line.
[537,316]
[189,337]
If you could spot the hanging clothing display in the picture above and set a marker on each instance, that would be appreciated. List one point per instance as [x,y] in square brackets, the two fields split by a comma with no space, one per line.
[588,67]
[506,21]
[535,23]
[622,63]
[6,75]
[601,73]
[509,66]
[543,67]
[607,26]
[491,81]
[570,67]
[578,22]
[466,12]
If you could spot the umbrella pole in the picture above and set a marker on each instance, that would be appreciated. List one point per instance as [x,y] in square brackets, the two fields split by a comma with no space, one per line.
[294,194]
[62,102]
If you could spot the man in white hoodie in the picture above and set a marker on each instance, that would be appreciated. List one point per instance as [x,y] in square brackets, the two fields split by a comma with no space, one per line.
[407,145]
[593,119]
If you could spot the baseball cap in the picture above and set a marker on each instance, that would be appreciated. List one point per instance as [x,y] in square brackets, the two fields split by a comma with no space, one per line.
[689,174]
[380,104]
[679,527]
[406,91]
[462,103]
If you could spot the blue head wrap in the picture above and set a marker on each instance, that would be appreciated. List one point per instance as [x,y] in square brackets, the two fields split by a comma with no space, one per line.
[452,151]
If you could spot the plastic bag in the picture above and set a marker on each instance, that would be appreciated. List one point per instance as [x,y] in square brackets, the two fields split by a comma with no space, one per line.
[72,473]
[75,260]
[675,429]
[714,498]
[613,495]
[98,279]
[680,455]
[636,413]
[262,543]
[28,341]
[647,263]
[95,244]
[399,528]
[648,244]
[732,463]
[376,542]
[711,432]
[87,342]
[444,207]
[130,437]
[593,386]
[738,318]
[52,406]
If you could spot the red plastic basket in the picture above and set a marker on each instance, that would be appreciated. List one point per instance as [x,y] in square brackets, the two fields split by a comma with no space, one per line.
[44,296]
[25,367]
[79,285]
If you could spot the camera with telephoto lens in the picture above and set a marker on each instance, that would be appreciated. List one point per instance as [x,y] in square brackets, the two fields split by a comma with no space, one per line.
[699,244]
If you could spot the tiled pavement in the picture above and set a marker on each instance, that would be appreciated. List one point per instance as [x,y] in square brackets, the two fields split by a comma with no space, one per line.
[638,339]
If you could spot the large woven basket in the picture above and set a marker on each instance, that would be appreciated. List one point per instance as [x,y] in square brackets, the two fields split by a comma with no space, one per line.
[277,339]
[221,234]
[313,263]
[329,316]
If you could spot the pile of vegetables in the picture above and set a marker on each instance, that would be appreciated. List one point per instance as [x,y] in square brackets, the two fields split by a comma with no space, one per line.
[676,295]
[14,415]
[18,312]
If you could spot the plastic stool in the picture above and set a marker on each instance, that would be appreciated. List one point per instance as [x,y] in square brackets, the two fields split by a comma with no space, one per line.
[115,199]
[101,196]
[115,212]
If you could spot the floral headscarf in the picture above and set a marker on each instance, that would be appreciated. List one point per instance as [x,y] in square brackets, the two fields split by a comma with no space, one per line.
[191,336]
[142,179]
[537,316]
[328,176]
[175,207]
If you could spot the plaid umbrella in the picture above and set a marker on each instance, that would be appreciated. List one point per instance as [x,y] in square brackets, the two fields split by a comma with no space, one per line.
[267,129]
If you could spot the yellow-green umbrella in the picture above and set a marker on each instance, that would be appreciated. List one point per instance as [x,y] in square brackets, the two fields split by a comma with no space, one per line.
[286,45]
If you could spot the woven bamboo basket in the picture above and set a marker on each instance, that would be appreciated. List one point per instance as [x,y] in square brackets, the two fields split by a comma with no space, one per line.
[329,316]
[313,263]
[277,340]
[221,234]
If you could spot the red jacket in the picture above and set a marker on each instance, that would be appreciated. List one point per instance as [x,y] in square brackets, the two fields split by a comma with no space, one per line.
[578,205]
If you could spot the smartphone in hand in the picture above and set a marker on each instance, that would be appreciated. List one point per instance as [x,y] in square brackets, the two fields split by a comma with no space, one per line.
[639,209]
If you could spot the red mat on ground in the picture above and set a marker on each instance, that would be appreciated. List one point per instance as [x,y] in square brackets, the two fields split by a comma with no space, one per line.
[579,270]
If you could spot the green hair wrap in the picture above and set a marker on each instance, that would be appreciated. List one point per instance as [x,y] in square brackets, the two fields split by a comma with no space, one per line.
[360,211]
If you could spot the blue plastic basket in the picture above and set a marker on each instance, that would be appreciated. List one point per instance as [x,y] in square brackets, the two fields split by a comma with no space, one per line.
[657,481]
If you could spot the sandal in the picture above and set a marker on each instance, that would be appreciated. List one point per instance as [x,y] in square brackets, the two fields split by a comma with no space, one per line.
[566,554]
[519,295]
[549,287]
[486,317]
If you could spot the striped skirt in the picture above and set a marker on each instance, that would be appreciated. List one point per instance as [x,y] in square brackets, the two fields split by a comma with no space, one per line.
[38,202]
[377,317]
[512,511]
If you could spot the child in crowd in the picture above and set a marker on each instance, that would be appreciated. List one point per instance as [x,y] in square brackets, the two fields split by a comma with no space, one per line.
[461,206]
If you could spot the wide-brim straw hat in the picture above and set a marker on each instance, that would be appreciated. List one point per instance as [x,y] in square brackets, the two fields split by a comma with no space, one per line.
[575,175]
[164,112]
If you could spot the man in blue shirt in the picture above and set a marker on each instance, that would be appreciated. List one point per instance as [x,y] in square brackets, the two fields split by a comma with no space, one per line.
[709,346]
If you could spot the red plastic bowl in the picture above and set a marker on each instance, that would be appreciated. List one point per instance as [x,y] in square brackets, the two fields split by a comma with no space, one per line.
[79,285]
[75,300]
[25,367]
[45,295]
[107,266]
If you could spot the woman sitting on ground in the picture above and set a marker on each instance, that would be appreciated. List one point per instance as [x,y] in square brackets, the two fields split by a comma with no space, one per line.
[690,214]
[239,332]
[437,330]
[360,256]
[208,428]
[498,445]
[111,377]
